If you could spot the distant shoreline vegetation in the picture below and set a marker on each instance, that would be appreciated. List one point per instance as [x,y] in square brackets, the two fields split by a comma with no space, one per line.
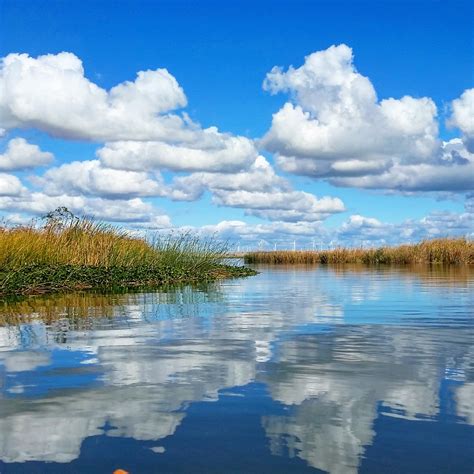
[68,253]
[437,251]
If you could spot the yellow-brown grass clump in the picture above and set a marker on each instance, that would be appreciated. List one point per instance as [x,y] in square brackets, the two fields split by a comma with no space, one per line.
[443,251]
[70,253]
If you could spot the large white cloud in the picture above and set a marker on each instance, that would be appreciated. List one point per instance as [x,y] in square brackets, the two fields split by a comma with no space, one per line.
[336,115]
[258,190]
[258,177]
[463,117]
[52,94]
[292,206]
[212,151]
[452,172]
[10,185]
[20,154]
[90,178]
[335,128]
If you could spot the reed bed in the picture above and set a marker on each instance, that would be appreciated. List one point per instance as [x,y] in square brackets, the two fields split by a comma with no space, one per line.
[67,252]
[436,251]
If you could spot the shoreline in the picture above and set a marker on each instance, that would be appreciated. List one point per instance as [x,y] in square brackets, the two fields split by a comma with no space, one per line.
[44,279]
[447,251]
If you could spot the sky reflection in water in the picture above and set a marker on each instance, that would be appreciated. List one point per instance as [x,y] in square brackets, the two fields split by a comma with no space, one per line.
[299,369]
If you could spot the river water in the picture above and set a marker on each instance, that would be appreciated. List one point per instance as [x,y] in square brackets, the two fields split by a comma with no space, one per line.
[299,369]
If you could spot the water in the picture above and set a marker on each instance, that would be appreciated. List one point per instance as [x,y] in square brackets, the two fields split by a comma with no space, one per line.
[339,370]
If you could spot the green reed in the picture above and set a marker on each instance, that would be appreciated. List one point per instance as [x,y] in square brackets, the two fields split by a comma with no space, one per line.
[67,252]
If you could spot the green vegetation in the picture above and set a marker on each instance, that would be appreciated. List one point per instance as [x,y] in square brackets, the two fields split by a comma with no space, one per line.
[70,253]
[445,251]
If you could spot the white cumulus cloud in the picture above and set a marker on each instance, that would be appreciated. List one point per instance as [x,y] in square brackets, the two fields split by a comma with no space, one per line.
[51,93]
[10,185]
[213,151]
[463,117]
[335,116]
[258,177]
[292,206]
[335,128]
[452,172]
[91,178]
[258,190]
[20,154]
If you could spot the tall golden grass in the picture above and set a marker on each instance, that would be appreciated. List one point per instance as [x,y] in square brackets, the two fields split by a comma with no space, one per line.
[75,242]
[83,242]
[74,252]
[444,251]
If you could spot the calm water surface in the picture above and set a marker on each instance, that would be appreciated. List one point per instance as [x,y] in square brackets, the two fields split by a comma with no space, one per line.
[339,370]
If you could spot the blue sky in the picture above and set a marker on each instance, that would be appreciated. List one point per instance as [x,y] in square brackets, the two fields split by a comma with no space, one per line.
[220,53]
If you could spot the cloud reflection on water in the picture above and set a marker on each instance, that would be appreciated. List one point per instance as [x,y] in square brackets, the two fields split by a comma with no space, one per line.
[336,346]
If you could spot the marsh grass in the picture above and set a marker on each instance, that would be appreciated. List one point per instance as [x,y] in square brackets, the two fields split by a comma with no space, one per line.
[436,251]
[67,252]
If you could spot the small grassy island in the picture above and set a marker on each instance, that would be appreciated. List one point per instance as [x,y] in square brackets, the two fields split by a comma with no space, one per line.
[436,251]
[68,253]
